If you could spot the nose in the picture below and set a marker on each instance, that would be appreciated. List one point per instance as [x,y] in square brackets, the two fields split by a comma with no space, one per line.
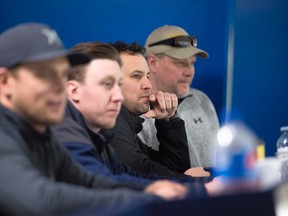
[189,71]
[146,84]
[117,94]
[58,83]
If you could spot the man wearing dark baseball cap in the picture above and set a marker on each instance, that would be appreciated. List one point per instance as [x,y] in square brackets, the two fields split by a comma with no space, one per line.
[171,54]
[38,177]
[34,42]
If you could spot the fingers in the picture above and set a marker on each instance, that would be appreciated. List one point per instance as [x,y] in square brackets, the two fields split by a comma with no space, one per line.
[150,114]
[215,187]
[167,190]
[164,105]
[166,101]
[197,172]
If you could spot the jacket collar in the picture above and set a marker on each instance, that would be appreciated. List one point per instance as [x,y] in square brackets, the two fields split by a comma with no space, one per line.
[134,119]
[100,139]
[73,113]
[11,121]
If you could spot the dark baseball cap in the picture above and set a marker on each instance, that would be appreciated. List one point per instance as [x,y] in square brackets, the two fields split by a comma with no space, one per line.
[34,42]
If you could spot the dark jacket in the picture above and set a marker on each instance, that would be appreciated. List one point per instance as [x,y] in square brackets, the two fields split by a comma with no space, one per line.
[38,177]
[172,159]
[93,151]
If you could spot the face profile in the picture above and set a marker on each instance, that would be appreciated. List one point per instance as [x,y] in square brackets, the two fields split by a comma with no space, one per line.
[136,84]
[98,97]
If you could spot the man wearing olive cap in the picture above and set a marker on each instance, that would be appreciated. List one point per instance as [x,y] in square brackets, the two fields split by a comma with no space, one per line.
[171,54]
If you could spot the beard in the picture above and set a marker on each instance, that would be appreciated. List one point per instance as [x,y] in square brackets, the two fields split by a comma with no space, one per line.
[137,108]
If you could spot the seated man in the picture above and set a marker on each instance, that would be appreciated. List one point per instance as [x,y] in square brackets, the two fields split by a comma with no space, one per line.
[38,177]
[172,70]
[94,102]
[172,159]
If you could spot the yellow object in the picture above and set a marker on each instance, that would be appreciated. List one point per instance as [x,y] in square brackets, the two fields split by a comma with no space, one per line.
[260,151]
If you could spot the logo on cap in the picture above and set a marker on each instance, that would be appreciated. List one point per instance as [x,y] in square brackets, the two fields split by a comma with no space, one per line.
[52,36]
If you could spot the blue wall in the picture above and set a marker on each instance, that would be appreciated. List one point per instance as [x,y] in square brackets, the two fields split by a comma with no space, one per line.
[260,87]
[133,20]
[261,42]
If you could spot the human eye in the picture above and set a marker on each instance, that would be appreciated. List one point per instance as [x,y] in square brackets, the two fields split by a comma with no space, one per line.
[120,83]
[148,76]
[185,63]
[51,75]
[136,76]
[44,73]
[107,84]
[179,63]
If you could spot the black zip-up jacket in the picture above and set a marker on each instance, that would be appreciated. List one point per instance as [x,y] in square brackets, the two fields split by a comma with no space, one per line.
[38,177]
[94,152]
[171,160]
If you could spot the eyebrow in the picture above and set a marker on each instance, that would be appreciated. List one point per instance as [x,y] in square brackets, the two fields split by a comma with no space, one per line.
[141,72]
[137,71]
[108,77]
[180,60]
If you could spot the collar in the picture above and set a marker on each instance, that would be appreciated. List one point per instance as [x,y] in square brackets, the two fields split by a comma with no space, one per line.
[134,119]
[183,98]
[10,120]
[100,139]
[73,113]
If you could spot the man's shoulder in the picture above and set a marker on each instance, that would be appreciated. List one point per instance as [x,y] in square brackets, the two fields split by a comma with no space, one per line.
[69,130]
[124,114]
[197,100]
[197,93]
[198,96]
[9,140]
[9,130]
[124,120]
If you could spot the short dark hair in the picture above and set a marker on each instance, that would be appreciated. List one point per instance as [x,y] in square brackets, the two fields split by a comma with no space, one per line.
[96,50]
[132,48]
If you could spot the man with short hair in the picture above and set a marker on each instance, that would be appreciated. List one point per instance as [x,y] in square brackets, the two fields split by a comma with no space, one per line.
[172,159]
[171,55]
[94,102]
[38,177]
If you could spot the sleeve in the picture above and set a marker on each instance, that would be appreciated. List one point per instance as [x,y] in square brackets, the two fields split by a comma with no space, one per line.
[77,174]
[173,149]
[126,144]
[196,190]
[24,190]
[84,152]
[86,155]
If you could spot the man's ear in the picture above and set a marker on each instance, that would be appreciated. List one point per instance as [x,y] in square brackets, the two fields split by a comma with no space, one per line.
[152,61]
[3,78]
[3,74]
[73,89]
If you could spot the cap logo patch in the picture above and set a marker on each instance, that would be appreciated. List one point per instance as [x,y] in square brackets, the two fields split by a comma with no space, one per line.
[52,37]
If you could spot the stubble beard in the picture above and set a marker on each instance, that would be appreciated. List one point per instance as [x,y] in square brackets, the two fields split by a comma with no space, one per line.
[137,108]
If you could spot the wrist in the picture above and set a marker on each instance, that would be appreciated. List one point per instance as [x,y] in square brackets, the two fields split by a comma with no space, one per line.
[176,115]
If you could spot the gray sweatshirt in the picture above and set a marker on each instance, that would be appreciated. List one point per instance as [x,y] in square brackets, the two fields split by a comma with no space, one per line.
[201,125]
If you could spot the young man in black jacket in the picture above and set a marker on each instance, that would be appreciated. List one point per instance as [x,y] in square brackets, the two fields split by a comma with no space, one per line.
[172,159]
[94,102]
[38,177]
